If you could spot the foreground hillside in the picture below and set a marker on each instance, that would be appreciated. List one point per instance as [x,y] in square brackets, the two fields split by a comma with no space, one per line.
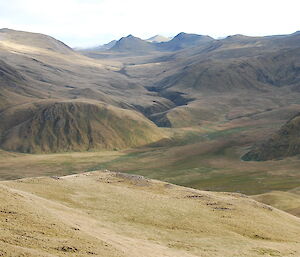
[114,214]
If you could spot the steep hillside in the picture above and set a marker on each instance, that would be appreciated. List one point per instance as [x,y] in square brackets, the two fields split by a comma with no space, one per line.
[74,126]
[14,87]
[286,142]
[9,77]
[115,214]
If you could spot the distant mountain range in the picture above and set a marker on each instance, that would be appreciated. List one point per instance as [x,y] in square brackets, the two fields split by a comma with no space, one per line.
[182,82]
[184,40]
[154,39]
[132,44]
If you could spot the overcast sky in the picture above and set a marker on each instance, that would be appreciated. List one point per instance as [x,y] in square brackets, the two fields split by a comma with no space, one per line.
[93,22]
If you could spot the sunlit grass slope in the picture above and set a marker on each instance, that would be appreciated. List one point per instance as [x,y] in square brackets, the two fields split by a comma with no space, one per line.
[113,214]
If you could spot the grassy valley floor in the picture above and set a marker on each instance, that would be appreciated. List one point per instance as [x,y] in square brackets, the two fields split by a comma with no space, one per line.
[206,158]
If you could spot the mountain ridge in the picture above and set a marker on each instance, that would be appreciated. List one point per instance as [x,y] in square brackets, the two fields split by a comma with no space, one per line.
[132,44]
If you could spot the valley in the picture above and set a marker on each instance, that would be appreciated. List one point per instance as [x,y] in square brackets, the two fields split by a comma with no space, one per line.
[209,101]
[99,146]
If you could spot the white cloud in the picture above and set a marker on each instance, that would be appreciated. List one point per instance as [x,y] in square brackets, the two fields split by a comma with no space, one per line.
[88,22]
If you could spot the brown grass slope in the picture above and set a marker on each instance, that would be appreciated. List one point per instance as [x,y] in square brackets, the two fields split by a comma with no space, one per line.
[284,143]
[112,214]
[76,126]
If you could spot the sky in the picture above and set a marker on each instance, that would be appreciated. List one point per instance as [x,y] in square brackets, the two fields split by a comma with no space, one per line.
[84,23]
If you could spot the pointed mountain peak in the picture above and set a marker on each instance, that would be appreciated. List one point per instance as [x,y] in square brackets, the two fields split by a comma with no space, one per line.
[132,44]
[130,36]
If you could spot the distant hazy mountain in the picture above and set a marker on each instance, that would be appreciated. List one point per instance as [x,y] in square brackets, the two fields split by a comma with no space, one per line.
[135,46]
[132,44]
[126,45]
[100,47]
[108,45]
[158,39]
[184,40]
[158,43]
